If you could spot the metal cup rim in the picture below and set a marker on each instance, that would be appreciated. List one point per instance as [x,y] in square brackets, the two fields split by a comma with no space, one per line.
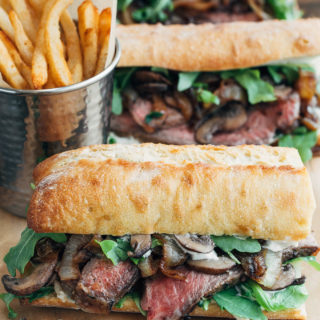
[73,87]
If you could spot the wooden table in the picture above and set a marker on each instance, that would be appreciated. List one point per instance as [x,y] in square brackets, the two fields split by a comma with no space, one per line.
[11,227]
[310,7]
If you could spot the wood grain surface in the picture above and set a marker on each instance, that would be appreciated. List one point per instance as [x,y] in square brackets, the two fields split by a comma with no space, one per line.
[11,227]
[311,8]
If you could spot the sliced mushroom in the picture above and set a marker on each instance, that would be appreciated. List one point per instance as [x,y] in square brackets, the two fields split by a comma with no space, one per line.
[144,76]
[171,273]
[219,266]
[140,243]
[69,268]
[227,118]
[38,278]
[229,90]
[172,255]
[257,8]
[148,267]
[286,277]
[183,103]
[151,87]
[202,244]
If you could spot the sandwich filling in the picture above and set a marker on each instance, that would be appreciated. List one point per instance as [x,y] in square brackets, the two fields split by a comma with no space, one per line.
[275,105]
[166,275]
[203,11]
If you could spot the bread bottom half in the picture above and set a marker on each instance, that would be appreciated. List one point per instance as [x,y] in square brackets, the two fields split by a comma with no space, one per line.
[129,306]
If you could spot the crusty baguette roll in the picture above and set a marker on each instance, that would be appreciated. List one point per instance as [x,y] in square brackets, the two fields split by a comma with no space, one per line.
[209,47]
[129,306]
[258,191]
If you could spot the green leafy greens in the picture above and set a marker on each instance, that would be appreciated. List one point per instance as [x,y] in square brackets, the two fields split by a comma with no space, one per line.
[285,9]
[124,4]
[186,80]
[135,296]
[291,297]
[311,260]
[229,243]
[302,139]
[257,89]
[154,12]
[9,297]
[19,255]
[207,96]
[152,115]
[238,306]
[116,250]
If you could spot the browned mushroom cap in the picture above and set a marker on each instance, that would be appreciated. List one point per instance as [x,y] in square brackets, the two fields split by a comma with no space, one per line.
[221,265]
[144,76]
[151,87]
[227,118]
[140,243]
[184,104]
[69,269]
[229,90]
[148,267]
[38,278]
[172,255]
[202,244]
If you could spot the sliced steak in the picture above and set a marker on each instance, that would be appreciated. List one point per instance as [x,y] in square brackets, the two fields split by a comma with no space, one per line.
[101,284]
[124,125]
[262,124]
[168,299]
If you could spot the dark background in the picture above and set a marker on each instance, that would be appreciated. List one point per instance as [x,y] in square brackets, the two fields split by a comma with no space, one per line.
[310,7]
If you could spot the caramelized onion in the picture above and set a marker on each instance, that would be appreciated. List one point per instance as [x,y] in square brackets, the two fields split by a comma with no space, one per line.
[306,84]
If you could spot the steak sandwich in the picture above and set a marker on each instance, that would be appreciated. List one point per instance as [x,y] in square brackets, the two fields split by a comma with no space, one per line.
[168,231]
[228,84]
[201,11]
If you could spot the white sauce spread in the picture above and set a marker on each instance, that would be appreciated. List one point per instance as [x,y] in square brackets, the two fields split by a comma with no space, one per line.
[277,246]
[61,294]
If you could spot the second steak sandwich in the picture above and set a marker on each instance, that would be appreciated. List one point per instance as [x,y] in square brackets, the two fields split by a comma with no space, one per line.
[169,231]
[229,84]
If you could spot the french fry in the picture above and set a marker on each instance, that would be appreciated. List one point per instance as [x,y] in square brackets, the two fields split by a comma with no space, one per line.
[39,61]
[5,23]
[73,46]
[37,5]
[9,69]
[20,64]
[61,74]
[27,18]
[88,22]
[3,84]
[22,41]
[5,4]
[104,36]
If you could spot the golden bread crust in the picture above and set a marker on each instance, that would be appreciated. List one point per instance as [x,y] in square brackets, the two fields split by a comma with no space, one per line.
[129,306]
[258,191]
[209,47]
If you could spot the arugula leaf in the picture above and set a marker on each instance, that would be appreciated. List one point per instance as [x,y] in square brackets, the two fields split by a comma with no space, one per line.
[123,4]
[257,89]
[152,115]
[207,96]
[275,74]
[154,12]
[32,186]
[229,243]
[117,250]
[7,298]
[155,243]
[288,298]
[285,9]
[311,260]
[112,140]
[160,70]
[135,296]
[205,302]
[238,306]
[186,80]
[301,139]
[117,106]
[19,255]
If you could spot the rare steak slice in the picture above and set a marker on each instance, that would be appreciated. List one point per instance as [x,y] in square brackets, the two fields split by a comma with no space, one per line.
[168,299]
[101,284]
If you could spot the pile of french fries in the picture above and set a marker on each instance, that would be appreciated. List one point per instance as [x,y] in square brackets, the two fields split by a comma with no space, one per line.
[41,47]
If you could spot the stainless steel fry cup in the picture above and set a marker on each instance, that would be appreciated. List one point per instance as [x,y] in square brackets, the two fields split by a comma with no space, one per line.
[35,124]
